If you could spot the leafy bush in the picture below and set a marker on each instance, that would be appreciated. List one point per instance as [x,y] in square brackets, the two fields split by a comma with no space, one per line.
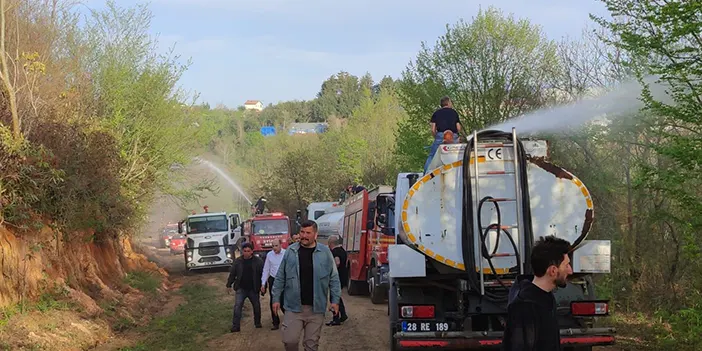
[28,178]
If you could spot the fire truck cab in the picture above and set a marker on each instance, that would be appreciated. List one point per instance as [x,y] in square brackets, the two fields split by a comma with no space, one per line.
[366,238]
[207,240]
[262,229]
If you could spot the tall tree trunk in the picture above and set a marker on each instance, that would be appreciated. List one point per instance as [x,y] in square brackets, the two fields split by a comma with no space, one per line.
[5,76]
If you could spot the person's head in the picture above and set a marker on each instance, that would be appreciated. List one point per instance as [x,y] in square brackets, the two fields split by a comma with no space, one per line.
[276,246]
[446,102]
[247,250]
[334,241]
[549,260]
[308,233]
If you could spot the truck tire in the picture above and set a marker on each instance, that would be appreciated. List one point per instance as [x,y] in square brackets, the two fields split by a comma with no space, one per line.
[377,295]
[355,287]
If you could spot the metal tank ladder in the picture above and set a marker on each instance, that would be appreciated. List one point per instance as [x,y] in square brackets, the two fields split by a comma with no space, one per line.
[478,147]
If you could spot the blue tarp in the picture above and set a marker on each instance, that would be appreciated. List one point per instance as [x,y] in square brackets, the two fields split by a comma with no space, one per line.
[267,131]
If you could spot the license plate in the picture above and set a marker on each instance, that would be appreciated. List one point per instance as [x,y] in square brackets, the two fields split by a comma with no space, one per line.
[209,263]
[424,326]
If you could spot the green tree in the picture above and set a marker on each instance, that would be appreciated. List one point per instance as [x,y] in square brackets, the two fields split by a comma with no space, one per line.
[339,95]
[663,41]
[138,99]
[493,68]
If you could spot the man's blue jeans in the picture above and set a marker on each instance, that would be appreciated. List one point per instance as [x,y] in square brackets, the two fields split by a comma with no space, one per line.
[438,140]
[241,296]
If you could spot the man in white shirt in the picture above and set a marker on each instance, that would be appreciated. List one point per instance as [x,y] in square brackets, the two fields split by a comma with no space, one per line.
[270,269]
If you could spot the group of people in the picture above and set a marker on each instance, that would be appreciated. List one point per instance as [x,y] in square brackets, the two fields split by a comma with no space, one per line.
[299,279]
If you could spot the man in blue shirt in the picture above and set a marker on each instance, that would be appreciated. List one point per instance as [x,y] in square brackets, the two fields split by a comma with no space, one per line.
[306,277]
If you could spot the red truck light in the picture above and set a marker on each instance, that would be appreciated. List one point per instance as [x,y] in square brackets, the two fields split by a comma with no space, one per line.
[417,311]
[589,308]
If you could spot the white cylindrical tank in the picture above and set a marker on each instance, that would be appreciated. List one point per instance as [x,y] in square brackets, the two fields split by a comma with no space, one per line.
[431,213]
[330,224]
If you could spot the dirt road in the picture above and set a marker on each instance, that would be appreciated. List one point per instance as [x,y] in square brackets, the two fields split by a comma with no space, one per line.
[365,330]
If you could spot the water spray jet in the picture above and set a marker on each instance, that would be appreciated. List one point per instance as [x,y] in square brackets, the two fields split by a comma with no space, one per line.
[622,101]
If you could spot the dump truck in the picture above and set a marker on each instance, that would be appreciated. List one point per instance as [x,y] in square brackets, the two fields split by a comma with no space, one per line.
[464,232]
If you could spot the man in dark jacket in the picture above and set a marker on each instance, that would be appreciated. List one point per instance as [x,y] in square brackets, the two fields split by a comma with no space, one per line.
[245,280]
[532,323]
[340,258]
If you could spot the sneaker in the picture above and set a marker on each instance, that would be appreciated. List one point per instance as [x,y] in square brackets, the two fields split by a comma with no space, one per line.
[275,327]
[234,330]
[343,318]
[258,326]
[333,322]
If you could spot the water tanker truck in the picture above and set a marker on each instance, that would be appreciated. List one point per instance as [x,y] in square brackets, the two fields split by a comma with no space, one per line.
[464,232]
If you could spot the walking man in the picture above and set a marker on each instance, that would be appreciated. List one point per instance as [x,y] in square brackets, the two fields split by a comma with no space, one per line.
[340,259]
[444,120]
[245,280]
[270,269]
[305,294]
[532,323]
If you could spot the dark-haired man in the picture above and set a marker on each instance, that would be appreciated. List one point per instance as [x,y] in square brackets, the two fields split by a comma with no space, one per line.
[532,323]
[304,280]
[245,280]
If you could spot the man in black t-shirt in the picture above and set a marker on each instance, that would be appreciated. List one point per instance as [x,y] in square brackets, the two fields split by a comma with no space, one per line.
[532,321]
[306,281]
[245,280]
[444,120]
[340,259]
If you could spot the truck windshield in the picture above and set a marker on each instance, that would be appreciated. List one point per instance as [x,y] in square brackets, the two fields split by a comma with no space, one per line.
[208,224]
[269,227]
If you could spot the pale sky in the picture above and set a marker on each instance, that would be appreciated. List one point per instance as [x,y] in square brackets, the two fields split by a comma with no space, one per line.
[277,50]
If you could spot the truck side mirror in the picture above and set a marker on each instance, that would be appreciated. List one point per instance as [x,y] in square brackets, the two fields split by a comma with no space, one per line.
[382,219]
[370,221]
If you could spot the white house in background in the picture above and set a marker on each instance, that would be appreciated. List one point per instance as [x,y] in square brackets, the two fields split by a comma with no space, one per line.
[253,105]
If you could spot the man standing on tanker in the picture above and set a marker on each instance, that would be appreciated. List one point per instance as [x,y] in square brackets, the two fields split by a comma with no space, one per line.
[532,322]
[306,276]
[443,121]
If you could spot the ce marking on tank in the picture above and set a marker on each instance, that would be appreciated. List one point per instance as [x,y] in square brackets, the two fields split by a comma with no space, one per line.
[494,154]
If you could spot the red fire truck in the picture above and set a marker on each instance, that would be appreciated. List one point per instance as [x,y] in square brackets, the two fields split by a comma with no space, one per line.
[366,242]
[262,229]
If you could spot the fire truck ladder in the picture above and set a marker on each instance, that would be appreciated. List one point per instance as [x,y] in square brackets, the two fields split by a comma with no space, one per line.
[473,229]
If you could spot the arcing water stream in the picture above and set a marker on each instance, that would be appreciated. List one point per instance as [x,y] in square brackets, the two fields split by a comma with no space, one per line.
[226,177]
[620,102]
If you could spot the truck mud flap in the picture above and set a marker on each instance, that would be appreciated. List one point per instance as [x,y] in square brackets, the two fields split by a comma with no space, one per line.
[493,340]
